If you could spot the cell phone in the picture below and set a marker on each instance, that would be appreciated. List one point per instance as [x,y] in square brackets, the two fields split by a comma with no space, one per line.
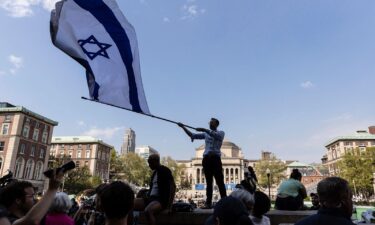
[67,166]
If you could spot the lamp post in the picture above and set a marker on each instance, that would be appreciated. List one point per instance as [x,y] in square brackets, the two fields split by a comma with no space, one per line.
[268,172]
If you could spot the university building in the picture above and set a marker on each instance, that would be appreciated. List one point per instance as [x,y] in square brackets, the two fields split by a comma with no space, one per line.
[145,151]
[337,147]
[25,138]
[84,151]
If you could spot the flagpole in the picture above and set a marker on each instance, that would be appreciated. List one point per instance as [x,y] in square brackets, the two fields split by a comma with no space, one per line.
[149,115]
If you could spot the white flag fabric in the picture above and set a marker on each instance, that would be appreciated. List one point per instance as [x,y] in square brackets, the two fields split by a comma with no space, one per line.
[97,35]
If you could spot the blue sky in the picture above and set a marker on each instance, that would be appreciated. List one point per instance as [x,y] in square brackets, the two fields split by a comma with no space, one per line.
[282,76]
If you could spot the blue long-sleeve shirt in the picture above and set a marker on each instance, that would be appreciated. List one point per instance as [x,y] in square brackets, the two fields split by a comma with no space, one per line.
[213,141]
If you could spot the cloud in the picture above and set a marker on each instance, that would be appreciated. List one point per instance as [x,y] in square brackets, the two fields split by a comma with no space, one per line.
[17,63]
[191,10]
[23,8]
[81,123]
[166,19]
[307,84]
[102,133]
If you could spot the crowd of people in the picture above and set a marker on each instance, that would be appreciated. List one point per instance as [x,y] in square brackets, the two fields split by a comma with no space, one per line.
[115,203]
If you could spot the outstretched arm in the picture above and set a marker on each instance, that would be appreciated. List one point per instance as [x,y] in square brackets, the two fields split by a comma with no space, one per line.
[218,135]
[39,210]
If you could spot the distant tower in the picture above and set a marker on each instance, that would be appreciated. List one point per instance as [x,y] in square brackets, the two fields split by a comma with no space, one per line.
[129,142]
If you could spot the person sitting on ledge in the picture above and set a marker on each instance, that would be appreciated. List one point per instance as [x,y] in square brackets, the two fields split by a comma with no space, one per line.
[315,201]
[229,211]
[161,193]
[336,203]
[262,206]
[291,193]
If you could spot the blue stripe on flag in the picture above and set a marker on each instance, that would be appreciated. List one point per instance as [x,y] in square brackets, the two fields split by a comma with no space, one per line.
[91,83]
[106,17]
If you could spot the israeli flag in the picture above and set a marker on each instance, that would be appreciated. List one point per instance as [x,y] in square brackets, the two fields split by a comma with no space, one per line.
[98,36]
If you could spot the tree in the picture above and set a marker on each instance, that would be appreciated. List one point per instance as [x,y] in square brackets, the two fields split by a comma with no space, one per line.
[130,167]
[78,180]
[277,171]
[357,167]
[174,167]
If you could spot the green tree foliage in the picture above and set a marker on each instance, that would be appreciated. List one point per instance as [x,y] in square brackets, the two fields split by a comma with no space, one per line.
[357,167]
[130,167]
[78,180]
[177,170]
[277,171]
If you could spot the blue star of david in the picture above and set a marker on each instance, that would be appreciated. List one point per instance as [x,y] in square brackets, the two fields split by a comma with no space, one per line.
[92,40]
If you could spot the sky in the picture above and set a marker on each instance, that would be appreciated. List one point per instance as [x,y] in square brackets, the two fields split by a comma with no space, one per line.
[281,76]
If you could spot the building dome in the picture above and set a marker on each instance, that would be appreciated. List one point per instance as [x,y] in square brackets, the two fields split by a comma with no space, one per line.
[228,149]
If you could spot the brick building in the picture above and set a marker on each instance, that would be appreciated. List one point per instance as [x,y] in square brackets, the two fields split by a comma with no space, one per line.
[84,151]
[24,143]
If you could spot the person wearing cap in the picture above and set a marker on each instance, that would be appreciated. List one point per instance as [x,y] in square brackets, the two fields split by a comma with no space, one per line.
[229,211]
[315,201]
[211,162]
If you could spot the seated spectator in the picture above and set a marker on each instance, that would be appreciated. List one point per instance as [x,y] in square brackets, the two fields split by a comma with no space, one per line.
[19,199]
[244,196]
[229,211]
[336,204]
[262,206]
[162,190]
[58,211]
[291,193]
[116,201]
[315,201]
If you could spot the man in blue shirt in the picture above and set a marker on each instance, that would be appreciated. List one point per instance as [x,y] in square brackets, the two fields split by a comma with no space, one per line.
[211,162]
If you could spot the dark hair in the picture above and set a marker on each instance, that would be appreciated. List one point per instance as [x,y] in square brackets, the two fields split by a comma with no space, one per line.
[230,211]
[216,120]
[14,191]
[117,199]
[332,191]
[296,175]
[262,204]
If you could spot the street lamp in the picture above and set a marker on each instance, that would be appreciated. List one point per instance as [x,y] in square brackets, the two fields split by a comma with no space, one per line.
[268,172]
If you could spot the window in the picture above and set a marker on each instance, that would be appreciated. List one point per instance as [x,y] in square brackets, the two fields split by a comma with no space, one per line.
[44,136]
[87,163]
[79,146]
[70,154]
[32,153]
[25,131]
[22,150]
[37,125]
[88,146]
[61,153]
[19,167]
[36,135]
[38,171]
[8,118]
[1,163]
[5,129]
[79,154]
[71,147]
[2,146]
[87,154]
[29,169]
[41,155]
[77,164]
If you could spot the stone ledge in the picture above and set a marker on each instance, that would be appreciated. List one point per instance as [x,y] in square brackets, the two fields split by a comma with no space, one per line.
[199,216]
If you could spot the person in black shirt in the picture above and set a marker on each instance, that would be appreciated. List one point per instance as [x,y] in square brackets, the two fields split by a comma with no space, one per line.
[315,201]
[336,203]
[161,193]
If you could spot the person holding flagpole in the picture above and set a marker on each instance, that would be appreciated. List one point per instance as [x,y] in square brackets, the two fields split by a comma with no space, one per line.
[211,162]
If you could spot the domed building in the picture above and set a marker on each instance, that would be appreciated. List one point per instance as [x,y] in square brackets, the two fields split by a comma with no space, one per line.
[233,167]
